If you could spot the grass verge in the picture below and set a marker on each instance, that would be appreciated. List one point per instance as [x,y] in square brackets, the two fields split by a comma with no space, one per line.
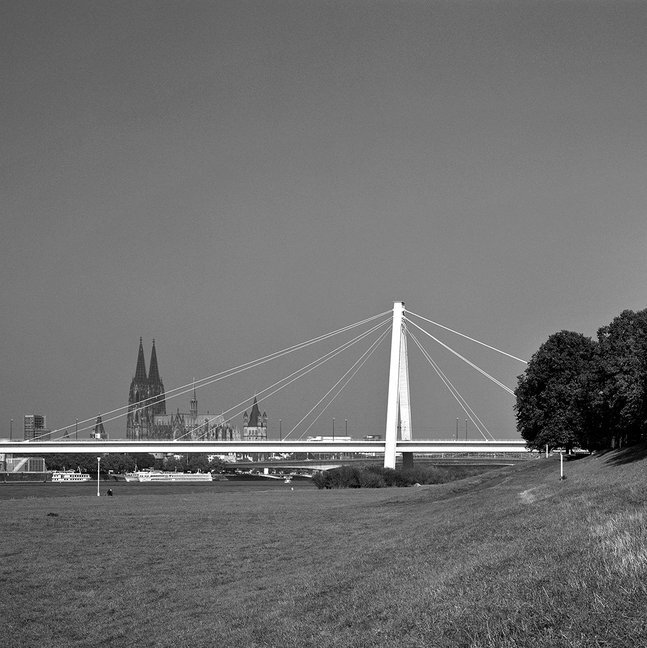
[512,557]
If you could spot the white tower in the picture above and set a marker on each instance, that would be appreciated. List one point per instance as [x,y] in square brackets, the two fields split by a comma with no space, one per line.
[398,410]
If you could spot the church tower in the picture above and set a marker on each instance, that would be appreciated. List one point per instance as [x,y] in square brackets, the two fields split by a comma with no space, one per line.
[255,424]
[146,397]
[155,386]
[193,406]
[99,431]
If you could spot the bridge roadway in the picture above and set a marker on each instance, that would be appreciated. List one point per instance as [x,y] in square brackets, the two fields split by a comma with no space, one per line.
[92,446]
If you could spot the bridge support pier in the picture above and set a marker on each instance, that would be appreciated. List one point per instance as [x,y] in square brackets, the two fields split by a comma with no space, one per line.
[398,408]
[407,460]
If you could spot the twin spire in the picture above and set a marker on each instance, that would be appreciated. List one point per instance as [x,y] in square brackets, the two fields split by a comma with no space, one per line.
[146,397]
[153,375]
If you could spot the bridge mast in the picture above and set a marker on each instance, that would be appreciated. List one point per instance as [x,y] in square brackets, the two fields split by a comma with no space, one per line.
[398,410]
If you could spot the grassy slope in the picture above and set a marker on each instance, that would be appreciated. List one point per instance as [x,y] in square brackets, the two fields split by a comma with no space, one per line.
[513,557]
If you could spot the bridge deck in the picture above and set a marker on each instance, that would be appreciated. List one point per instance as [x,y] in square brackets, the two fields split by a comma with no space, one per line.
[247,447]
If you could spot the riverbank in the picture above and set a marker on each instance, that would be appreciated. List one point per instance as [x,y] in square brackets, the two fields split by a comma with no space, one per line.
[46,490]
[513,557]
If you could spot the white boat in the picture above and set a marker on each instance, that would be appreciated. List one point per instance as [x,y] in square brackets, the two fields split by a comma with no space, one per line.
[159,476]
[60,476]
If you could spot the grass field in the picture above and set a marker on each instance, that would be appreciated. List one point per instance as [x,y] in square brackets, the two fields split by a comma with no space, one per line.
[512,557]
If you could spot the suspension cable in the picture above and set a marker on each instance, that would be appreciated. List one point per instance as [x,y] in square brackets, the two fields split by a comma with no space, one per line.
[467,337]
[464,359]
[299,373]
[469,412]
[357,365]
[122,411]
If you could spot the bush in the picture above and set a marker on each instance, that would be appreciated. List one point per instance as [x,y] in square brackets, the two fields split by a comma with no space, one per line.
[378,477]
[342,477]
[370,479]
[429,475]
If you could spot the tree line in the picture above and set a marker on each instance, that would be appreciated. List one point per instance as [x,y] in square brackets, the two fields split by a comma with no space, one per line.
[589,393]
[122,463]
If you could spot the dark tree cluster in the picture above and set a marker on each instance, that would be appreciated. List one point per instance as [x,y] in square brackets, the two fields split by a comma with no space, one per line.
[379,477]
[592,394]
[117,463]
[121,463]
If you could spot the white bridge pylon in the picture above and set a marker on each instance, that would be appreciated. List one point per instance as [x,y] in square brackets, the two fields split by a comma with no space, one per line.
[398,409]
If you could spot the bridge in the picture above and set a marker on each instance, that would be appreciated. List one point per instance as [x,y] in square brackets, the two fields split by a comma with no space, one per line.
[398,437]
[262,447]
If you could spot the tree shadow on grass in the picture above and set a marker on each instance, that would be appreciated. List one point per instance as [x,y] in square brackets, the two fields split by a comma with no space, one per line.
[625,455]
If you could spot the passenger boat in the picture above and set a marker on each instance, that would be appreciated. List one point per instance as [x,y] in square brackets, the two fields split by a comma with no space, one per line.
[159,476]
[60,476]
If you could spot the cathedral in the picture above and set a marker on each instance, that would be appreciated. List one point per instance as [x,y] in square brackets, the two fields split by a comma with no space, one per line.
[147,417]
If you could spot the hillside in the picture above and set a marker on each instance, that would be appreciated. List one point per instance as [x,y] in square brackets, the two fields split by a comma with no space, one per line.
[513,557]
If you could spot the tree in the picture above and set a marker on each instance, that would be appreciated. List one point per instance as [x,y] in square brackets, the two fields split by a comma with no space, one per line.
[173,463]
[83,462]
[621,401]
[198,463]
[216,464]
[144,460]
[118,463]
[58,462]
[553,405]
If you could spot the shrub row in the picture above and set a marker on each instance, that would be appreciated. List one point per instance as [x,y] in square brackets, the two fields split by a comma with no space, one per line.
[379,477]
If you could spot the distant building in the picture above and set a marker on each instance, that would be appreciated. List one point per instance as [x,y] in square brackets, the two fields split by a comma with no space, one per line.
[99,431]
[193,425]
[14,464]
[146,398]
[147,417]
[255,424]
[34,427]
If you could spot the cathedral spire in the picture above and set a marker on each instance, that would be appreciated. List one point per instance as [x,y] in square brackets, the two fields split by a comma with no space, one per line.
[156,386]
[194,402]
[153,371]
[140,372]
[254,415]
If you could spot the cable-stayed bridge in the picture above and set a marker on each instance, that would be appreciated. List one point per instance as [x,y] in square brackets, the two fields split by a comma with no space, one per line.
[398,435]
[371,447]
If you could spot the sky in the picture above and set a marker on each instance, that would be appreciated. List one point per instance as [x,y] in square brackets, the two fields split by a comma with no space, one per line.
[231,178]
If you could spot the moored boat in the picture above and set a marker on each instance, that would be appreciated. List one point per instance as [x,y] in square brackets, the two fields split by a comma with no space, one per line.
[60,476]
[159,476]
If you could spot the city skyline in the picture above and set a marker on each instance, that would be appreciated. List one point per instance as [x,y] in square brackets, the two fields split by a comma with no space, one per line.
[231,179]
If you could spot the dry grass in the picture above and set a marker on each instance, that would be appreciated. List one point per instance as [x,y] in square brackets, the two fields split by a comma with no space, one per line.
[510,558]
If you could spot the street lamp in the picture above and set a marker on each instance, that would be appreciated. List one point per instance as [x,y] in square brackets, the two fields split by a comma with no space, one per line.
[346,427]
[98,476]
[76,433]
[11,430]
[333,429]
[280,429]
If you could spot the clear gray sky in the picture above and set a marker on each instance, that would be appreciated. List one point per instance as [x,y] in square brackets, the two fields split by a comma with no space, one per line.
[233,177]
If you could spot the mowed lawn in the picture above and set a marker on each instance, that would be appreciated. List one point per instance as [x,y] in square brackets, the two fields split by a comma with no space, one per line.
[513,557]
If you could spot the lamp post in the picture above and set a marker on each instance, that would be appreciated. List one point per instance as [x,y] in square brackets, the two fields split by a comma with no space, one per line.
[11,430]
[457,428]
[98,476]
[333,429]
[345,427]
[76,433]
[465,429]
[280,429]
